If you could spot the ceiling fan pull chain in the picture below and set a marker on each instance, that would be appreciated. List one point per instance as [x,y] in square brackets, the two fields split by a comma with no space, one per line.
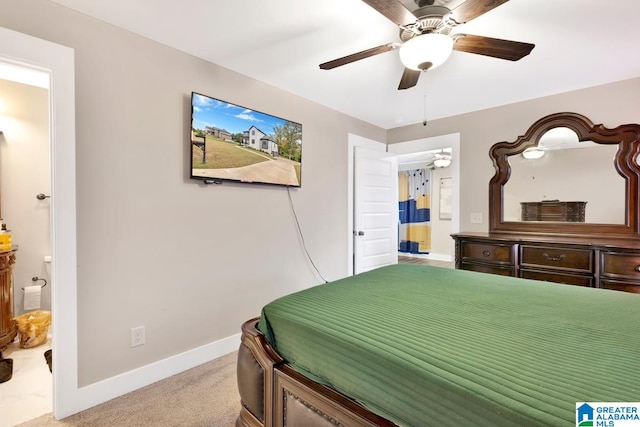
[424,83]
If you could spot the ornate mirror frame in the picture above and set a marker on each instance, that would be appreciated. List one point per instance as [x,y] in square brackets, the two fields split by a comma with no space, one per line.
[628,139]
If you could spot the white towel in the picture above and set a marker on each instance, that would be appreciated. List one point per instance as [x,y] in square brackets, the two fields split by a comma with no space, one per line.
[32,297]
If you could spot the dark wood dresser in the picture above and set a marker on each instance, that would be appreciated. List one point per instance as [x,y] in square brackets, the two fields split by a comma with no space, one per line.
[553,210]
[598,263]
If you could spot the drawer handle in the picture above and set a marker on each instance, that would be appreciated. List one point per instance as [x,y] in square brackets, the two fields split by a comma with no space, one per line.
[551,258]
[638,268]
[487,253]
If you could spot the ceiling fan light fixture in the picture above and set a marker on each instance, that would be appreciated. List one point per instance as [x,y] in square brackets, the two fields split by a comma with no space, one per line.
[532,153]
[426,51]
[442,162]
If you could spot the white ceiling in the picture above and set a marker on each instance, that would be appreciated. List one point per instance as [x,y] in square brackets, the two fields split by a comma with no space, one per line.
[579,43]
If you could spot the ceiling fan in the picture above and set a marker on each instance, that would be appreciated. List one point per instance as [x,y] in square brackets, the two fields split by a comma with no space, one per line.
[426,42]
[440,160]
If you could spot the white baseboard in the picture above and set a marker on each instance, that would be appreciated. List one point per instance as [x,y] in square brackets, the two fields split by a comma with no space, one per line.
[124,383]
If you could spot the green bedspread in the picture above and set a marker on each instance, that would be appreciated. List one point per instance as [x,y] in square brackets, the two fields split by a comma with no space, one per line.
[428,346]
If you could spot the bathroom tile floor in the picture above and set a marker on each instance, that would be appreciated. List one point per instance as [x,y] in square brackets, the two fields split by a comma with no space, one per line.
[29,393]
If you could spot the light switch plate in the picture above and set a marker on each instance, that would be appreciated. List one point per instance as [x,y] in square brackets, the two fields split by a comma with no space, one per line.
[476,217]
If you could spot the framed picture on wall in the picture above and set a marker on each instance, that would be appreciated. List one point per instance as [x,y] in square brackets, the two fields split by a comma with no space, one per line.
[445,198]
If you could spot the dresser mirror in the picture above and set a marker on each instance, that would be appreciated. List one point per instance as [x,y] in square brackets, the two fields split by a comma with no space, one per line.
[573,173]
[567,176]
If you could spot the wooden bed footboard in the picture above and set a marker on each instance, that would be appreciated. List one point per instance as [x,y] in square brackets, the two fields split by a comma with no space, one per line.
[275,395]
[256,362]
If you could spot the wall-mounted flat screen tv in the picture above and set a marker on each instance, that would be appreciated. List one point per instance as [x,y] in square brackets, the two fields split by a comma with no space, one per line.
[234,143]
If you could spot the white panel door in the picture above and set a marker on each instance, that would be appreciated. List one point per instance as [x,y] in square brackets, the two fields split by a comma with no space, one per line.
[375,209]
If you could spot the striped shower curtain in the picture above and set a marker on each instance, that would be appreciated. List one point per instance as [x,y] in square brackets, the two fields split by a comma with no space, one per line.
[414,191]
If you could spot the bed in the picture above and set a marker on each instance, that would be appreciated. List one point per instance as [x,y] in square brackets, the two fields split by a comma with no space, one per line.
[414,345]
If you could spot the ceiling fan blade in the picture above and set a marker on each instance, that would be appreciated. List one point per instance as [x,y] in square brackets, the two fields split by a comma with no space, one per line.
[393,10]
[358,56]
[487,46]
[473,8]
[409,79]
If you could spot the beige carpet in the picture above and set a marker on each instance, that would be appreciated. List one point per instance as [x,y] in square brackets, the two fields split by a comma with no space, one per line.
[403,259]
[205,396]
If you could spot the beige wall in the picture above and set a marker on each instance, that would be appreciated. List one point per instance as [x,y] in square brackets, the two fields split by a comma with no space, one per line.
[155,248]
[612,105]
[24,172]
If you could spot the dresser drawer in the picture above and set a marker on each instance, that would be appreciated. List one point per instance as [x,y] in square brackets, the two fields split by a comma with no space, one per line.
[487,252]
[557,258]
[488,268]
[621,264]
[567,279]
[620,285]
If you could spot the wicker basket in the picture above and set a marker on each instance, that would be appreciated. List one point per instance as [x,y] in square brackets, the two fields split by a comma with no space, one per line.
[33,327]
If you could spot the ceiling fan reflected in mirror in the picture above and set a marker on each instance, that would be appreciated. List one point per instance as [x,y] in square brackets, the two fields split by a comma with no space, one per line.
[425,37]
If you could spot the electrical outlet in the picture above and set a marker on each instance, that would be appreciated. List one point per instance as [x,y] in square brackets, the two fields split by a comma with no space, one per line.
[137,336]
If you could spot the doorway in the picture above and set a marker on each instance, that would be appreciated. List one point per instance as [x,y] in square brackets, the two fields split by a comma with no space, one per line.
[425,204]
[451,141]
[58,62]
[25,173]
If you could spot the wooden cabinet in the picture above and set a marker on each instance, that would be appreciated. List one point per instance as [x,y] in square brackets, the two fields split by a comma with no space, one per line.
[553,210]
[592,262]
[8,329]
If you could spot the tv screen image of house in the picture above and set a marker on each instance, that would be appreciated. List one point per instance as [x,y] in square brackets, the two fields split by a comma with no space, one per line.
[234,143]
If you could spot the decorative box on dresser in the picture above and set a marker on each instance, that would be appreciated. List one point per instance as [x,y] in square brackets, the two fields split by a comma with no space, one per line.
[8,329]
[553,210]
[562,247]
